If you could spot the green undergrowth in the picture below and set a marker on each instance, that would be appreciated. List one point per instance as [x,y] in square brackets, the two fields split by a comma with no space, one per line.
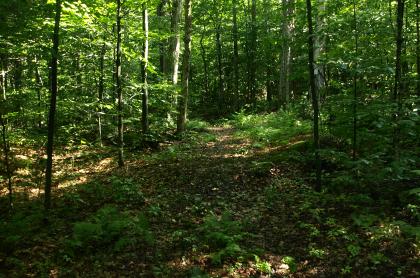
[350,232]
[277,128]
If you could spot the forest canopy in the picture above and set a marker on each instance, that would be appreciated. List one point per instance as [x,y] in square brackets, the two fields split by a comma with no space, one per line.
[116,114]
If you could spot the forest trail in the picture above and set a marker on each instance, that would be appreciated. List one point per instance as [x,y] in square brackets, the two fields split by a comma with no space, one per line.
[223,175]
[220,171]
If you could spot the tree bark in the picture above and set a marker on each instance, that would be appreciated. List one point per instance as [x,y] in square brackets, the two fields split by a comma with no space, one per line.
[145,62]
[183,102]
[315,98]
[6,151]
[286,53]
[101,91]
[118,87]
[253,52]
[319,47]
[53,106]
[398,86]
[39,85]
[235,36]
[418,46]
[206,66]
[221,93]
[160,12]
[175,43]
[355,79]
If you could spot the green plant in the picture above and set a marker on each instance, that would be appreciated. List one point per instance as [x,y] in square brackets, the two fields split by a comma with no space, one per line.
[262,266]
[110,228]
[317,253]
[291,262]
[223,236]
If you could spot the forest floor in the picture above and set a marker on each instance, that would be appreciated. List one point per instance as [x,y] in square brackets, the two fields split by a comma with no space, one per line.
[215,204]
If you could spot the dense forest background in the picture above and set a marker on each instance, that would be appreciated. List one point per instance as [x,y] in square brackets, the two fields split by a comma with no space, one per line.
[193,138]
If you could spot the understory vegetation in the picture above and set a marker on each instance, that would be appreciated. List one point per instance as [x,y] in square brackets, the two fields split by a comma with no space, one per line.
[209,138]
[242,206]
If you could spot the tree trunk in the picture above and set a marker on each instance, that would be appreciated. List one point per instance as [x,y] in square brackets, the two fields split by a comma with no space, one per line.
[418,46]
[183,102]
[6,151]
[397,94]
[355,77]
[205,64]
[236,93]
[101,91]
[315,99]
[175,43]
[119,89]
[53,106]
[286,53]
[162,42]
[3,76]
[39,85]
[253,52]
[319,47]
[221,96]
[145,91]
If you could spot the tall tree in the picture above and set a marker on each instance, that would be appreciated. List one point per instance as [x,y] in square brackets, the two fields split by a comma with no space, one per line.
[183,102]
[253,53]
[53,105]
[355,77]
[160,12]
[219,54]
[314,93]
[118,88]
[287,9]
[101,90]
[145,62]
[418,46]
[319,46]
[398,86]
[235,53]
[175,40]
[6,151]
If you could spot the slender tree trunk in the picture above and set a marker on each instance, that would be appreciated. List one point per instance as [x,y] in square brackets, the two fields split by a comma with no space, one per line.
[175,50]
[221,93]
[286,52]
[253,53]
[268,51]
[315,99]
[53,106]
[101,91]
[160,12]
[236,93]
[319,44]
[418,46]
[183,102]
[145,62]
[39,85]
[175,44]
[3,76]
[6,151]
[398,86]
[205,64]
[119,89]
[355,77]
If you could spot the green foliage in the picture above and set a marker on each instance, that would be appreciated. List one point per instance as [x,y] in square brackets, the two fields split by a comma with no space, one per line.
[111,229]
[197,125]
[271,129]
[291,262]
[126,191]
[223,236]
[262,266]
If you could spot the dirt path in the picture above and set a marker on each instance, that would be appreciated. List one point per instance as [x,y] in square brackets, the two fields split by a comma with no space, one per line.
[200,180]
